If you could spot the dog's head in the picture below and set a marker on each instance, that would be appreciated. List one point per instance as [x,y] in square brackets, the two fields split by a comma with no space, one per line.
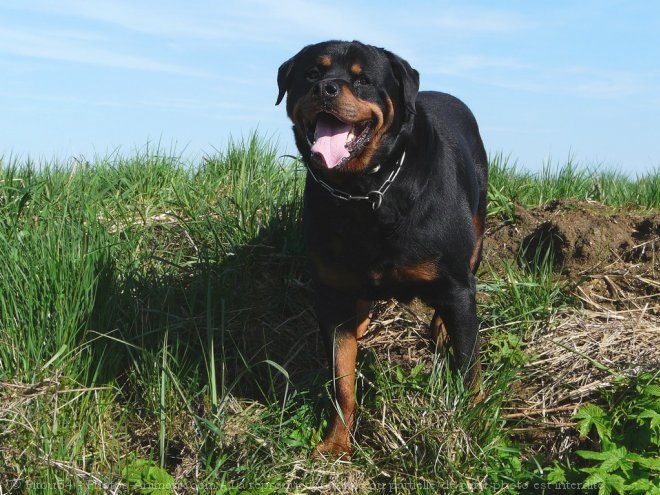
[348,102]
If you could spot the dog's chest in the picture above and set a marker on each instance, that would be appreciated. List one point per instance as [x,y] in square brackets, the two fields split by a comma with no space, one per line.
[366,258]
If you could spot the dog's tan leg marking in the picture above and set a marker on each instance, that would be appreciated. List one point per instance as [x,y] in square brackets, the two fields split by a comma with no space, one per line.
[337,439]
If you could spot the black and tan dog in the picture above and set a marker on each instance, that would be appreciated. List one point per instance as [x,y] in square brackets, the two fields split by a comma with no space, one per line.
[395,203]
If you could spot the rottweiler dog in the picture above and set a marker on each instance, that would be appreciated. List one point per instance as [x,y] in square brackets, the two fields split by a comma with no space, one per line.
[394,204]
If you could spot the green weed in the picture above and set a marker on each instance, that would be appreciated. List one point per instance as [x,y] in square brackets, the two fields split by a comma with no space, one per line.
[625,439]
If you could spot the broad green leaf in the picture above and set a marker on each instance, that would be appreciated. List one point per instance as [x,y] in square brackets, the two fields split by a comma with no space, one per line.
[591,415]
[617,482]
[590,454]
[557,474]
[652,463]
[652,415]
[651,389]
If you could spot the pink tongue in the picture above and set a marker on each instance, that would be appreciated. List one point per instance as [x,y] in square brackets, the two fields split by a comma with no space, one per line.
[331,135]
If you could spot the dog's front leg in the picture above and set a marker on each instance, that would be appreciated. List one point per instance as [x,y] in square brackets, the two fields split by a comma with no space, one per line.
[342,319]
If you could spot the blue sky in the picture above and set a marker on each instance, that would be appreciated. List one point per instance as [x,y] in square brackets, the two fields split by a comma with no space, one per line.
[545,79]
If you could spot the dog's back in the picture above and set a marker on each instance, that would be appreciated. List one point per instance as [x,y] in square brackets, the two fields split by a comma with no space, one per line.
[455,128]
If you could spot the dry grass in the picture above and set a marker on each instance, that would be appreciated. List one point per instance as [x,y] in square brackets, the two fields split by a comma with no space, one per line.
[572,364]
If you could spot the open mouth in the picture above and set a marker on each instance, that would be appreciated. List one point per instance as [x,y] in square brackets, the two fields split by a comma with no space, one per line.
[335,142]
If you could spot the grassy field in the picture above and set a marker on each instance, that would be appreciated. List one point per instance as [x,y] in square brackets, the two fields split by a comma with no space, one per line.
[156,337]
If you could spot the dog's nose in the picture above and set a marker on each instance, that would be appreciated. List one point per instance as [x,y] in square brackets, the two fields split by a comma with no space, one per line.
[329,89]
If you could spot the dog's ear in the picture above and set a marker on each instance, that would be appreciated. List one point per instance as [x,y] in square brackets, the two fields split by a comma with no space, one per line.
[284,73]
[408,79]
[283,78]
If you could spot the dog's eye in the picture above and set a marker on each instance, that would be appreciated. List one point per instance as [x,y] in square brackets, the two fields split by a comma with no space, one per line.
[313,74]
[363,81]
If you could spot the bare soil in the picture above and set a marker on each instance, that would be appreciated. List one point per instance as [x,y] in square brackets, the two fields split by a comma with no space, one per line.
[612,255]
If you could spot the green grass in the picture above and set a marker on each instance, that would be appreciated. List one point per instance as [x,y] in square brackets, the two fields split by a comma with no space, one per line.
[155,324]
[509,184]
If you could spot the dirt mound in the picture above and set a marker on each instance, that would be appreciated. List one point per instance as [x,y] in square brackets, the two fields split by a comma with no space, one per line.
[616,253]
[611,256]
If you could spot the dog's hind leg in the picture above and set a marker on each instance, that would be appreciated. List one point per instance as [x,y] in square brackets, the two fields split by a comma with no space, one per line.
[363,317]
[455,320]
[439,334]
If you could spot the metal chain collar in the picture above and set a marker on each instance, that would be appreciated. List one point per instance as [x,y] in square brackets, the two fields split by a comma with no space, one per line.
[375,197]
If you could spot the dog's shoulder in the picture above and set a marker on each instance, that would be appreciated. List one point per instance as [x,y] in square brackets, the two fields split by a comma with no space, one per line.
[446,114]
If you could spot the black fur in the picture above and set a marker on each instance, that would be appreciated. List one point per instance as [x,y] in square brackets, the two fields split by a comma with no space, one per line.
[428,216]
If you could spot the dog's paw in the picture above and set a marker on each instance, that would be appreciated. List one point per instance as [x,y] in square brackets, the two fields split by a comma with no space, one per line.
[328,449]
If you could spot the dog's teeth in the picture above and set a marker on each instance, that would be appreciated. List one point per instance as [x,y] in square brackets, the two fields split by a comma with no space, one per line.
[350,136]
